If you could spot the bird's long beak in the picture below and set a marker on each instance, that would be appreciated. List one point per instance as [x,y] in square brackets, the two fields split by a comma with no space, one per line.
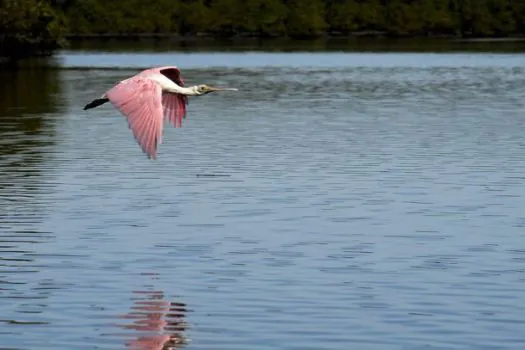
[211,88]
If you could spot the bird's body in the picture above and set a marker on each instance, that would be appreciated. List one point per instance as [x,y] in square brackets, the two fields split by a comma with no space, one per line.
[148,97]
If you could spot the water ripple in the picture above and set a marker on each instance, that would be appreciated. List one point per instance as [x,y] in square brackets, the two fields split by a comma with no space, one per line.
[371,201]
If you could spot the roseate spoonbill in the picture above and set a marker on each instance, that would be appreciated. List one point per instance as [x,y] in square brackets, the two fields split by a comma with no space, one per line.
[145,98]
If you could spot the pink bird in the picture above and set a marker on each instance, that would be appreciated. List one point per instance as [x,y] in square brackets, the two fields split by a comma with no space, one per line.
[149,96]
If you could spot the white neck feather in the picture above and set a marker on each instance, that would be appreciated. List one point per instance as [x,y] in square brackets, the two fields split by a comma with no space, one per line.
[190,91]
[170,86]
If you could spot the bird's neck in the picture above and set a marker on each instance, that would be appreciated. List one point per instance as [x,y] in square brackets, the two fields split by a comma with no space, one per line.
[189,91]
[169,86]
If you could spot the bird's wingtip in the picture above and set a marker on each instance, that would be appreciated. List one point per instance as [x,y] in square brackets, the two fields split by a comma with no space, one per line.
[95,103]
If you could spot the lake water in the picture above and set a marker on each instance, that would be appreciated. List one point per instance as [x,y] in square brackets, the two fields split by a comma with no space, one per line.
[365,200]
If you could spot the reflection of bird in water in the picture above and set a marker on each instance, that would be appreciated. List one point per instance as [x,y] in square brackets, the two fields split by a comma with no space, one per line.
[147,97]
[161,322]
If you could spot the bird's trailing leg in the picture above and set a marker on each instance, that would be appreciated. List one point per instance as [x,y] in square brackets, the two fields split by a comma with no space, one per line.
[96,102]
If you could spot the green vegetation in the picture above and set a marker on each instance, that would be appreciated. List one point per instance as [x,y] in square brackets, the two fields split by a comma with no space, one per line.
[299,18]
[29,27]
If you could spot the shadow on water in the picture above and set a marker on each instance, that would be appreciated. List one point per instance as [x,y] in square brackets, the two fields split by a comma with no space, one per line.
[28,98]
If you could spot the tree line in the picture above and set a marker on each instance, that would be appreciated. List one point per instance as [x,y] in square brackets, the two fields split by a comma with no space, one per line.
[30,26]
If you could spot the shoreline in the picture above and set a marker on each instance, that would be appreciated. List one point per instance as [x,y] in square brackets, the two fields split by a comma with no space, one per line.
[246,37]
[204,39]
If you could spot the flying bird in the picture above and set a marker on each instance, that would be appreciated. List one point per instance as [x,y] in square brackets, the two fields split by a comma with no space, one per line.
[149,96]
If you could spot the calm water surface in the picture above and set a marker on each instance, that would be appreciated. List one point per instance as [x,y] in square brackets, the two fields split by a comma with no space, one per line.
[368,201]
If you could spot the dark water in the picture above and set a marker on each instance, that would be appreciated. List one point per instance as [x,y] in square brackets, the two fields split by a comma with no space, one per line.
[369,201]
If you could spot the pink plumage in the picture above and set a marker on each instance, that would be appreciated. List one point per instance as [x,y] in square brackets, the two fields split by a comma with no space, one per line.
[174,104]
[174,109]
[144,104]
[139,100]
[147,98]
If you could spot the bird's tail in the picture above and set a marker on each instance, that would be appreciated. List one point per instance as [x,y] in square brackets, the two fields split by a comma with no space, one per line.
[96,102]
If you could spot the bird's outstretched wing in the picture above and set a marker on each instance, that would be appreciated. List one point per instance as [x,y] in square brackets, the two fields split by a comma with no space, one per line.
[174,108]
[174,104]
[172,73]
[140,100]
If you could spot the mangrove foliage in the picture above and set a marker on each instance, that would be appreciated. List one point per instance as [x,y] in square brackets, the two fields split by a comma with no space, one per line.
[299,18]
[29,27]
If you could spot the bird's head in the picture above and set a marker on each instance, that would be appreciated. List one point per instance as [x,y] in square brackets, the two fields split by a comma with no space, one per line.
[205,89]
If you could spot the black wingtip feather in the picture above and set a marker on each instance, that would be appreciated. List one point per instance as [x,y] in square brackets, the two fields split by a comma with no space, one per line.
[95,103]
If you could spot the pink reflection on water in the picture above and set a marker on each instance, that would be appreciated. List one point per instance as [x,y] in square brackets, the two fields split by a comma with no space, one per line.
[159,323]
